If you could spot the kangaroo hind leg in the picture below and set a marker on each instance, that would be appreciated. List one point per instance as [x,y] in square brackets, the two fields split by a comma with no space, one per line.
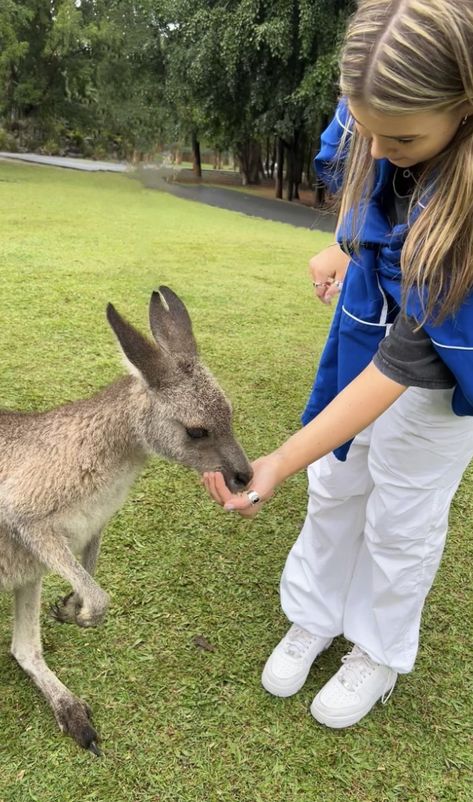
[71,713]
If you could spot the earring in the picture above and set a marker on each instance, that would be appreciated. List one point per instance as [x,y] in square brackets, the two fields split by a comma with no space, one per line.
[465,119]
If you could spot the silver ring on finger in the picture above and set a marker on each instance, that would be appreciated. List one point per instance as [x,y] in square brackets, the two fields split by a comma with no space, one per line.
[253,497]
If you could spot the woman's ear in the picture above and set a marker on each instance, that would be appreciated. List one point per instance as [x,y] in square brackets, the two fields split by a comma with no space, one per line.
[466,109]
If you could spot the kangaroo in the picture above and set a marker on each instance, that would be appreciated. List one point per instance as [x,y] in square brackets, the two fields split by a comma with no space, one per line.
[65,472]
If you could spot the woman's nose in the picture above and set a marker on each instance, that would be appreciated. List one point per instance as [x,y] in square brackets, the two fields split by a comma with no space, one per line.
[378,149]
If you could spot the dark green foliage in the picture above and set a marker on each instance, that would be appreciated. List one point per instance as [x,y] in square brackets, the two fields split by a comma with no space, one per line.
[82,76]
[247,71]
[118,77]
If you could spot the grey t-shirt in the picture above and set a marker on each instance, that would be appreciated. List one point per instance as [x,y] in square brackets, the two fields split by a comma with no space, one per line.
[408,357]
[406,354]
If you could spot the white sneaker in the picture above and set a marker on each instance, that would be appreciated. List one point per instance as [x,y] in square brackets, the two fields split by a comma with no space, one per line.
[287,667]
[353,690]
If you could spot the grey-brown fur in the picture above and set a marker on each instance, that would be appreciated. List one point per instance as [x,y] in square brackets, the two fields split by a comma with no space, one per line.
[64,473]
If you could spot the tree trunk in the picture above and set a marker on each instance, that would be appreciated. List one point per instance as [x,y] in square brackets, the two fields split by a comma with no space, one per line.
[299,162]
[267,160]
[290,172]
[280,168]
[249,153]
[309,169]
[319,187]
[197,161]
[319,193]
[254,174]
[273,160]
[295,158]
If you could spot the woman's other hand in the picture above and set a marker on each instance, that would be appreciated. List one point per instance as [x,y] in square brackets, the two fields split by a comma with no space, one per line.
[327,271]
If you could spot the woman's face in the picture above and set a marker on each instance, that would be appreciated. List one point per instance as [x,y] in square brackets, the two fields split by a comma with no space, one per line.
[406,140]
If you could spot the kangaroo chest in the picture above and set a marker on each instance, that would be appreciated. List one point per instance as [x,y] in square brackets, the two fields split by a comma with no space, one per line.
[89,516]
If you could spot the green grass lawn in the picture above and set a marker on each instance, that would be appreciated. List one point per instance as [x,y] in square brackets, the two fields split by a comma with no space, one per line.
[180,724]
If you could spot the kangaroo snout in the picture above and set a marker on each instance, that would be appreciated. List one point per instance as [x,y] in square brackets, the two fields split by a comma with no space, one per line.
[236,481]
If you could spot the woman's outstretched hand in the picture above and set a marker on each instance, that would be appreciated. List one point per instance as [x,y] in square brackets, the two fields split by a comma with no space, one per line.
[266,477]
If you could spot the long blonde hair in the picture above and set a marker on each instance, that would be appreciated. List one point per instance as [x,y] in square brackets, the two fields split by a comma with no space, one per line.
[412,56]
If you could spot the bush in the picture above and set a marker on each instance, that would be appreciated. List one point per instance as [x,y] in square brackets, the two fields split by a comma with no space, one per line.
[7,140]
[51,148]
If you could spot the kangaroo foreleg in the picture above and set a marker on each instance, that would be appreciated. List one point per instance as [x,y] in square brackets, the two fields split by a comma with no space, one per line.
[50,548]
[68,608]
[72,714]
[91,553]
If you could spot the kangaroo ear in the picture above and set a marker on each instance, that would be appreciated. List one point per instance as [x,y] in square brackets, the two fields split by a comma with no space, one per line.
[141,354]
[171,324]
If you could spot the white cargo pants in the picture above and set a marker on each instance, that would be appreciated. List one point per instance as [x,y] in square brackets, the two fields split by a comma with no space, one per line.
[376,526]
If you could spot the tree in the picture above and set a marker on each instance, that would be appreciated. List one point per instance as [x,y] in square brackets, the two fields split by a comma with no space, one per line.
[88,72]
[118,76]
[242,72]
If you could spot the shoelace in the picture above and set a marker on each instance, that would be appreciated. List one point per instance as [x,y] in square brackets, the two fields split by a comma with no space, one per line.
[357,666]
[387,694]
[298,642]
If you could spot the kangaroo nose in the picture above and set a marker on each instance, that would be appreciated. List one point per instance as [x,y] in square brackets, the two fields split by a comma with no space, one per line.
[242,478]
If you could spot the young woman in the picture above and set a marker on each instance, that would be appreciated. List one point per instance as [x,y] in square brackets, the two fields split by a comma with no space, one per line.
[393,396]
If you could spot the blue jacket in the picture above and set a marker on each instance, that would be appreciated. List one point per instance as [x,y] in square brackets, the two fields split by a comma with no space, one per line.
[371,296]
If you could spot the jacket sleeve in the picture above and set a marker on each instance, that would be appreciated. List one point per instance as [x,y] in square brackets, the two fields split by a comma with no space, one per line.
[334,143]
[453,342]
[454,345]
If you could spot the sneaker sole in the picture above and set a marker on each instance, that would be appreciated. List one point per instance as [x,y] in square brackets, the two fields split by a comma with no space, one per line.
[274,687]
[276,690]
[339,722]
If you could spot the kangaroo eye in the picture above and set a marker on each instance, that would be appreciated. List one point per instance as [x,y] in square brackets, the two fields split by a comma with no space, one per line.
[197,434]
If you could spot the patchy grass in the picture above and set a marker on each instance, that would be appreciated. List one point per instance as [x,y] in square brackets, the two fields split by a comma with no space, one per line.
[180,724]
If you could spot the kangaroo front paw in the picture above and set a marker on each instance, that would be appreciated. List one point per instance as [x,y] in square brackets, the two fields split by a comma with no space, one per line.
[93,609]
[74,718]
[72,610]
[66,609]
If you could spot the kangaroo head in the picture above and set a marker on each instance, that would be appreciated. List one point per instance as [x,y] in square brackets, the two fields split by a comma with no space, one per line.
[186,416]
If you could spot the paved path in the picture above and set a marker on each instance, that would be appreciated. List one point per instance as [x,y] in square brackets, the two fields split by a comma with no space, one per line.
[294,214]
[233,200]
[70,163]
